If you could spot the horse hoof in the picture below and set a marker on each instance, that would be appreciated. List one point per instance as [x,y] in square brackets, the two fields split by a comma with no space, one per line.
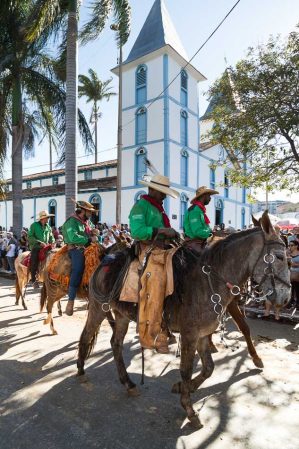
[176,388]
[54,332]
[82,378]
[258,362]
[25,308]
[195,422]
[133,392]
[16,303]
[80,372]
[60,313]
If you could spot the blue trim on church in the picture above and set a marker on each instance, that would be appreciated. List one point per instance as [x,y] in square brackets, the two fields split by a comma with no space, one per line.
[166,124]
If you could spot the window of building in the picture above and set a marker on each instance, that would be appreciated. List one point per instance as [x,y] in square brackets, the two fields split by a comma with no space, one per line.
[218,212]
[184,88]
[28,184]
[96,201]
[141,78]
[226,184]
[183,208]
[184,128]
[243,217]
[140,167]
[52,208]
[212,178]
[141,126]
[184,168]
[55,180]
[87,175]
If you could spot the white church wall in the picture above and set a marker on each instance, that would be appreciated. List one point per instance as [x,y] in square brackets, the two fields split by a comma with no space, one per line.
[175,88]
[128,134]
[154,73]
[155,121]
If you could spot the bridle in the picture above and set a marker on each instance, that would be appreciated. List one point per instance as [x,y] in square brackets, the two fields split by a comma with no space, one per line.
[269,272]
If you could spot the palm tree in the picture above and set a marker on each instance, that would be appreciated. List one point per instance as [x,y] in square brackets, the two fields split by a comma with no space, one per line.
[50,15]
[95,90]
[32,98]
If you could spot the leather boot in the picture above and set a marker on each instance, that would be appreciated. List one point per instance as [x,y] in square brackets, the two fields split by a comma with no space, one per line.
[69,310]
[161,344]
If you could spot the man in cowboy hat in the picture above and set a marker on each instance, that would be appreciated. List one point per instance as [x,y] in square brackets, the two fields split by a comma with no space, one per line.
[39,235]
[196,222]
[148,217]
[150,226]
[78,232]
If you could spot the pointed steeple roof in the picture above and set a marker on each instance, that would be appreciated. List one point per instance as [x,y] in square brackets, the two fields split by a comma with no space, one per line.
[157,31]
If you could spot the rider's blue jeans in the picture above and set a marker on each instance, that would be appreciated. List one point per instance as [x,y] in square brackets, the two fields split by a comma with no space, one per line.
[78,264]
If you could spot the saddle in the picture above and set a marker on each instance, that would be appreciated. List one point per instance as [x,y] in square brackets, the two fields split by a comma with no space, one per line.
[59,268]
[42,255]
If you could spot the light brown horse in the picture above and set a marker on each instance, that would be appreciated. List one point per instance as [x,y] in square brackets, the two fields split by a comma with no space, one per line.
[202,293]
[22,276]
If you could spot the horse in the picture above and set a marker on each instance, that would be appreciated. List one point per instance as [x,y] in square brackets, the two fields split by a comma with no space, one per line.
[22,276]
[53,290]
[204,289]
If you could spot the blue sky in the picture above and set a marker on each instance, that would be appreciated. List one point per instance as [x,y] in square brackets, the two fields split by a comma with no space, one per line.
[250,24]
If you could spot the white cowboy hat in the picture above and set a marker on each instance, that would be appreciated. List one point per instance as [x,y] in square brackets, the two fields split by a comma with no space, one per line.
[202,191]
[160,183]
[85,205]
[44,214]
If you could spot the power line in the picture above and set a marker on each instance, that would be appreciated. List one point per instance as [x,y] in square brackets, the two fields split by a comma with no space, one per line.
[188,63]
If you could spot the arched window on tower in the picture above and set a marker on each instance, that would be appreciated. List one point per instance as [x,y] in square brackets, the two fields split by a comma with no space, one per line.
[183,208]
[184,88]
[141,125]
[141,80]
[52,208]
[96,201]
[243,218]
[184,168]
[140,167]
[184,128]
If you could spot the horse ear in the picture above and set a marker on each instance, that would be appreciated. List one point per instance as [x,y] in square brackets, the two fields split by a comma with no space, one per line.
[266,223]
[255,221]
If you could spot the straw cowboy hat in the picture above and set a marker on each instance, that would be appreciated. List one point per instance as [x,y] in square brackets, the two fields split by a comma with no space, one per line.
[44,214]
[160,183]
[202,191]
[85,205]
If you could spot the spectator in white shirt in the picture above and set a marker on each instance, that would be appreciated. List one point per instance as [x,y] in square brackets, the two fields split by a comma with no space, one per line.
[10,256]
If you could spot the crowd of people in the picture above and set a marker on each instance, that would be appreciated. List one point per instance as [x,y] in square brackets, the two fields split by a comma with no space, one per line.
[11,247]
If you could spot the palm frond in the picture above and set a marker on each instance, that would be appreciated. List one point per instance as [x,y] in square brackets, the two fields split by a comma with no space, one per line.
[100,13]
[122,16]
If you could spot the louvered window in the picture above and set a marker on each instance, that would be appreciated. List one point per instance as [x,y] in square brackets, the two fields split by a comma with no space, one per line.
[184,168]
[140,166]
[141,126]
[184,128]
[212,178]
[184,88]
[141,79]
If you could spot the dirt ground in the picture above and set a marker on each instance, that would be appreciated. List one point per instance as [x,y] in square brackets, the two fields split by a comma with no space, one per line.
[43,405]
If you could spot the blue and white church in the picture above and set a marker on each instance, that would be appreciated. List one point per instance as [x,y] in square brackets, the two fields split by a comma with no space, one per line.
[160,121]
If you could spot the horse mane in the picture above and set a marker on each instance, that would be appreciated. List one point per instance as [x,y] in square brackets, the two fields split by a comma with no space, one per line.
[213,254]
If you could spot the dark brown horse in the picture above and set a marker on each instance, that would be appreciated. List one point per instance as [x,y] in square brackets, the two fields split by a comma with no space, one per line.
[205,290]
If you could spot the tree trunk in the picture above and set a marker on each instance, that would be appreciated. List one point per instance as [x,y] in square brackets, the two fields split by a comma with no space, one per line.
[119,143]
[17,158]
[96,132]
[71,109]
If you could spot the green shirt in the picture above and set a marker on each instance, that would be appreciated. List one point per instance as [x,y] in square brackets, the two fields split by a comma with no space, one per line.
[144,217]
[39,233]
[73,231]
[195,226]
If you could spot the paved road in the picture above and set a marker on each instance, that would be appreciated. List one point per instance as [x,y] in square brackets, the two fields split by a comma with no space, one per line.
[43,406]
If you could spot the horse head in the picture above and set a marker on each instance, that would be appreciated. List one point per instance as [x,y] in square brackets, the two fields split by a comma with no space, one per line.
[270,270]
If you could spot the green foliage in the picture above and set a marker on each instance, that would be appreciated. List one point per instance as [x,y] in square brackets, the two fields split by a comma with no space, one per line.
[255,111]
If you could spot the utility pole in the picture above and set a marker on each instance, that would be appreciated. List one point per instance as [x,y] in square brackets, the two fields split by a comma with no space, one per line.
[115,27]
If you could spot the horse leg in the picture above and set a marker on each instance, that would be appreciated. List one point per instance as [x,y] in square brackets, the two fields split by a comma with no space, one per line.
[47,295]
[18,290]
[207,368]
[120,330]
[239,319]
[89,334]
[213,348]
[59,308]
[188,348]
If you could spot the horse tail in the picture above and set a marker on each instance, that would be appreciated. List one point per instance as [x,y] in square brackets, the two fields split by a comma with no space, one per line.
[43,296]
[87,343]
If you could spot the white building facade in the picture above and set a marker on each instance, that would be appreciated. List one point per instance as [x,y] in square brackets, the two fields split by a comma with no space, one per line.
[160,117]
